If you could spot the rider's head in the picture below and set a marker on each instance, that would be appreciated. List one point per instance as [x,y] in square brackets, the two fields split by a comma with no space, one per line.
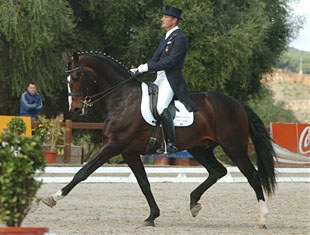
[171,17]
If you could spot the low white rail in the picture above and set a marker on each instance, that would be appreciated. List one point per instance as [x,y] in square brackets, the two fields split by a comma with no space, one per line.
[164,174]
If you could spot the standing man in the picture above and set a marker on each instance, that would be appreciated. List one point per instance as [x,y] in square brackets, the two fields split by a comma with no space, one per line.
[168,62]
[30,102]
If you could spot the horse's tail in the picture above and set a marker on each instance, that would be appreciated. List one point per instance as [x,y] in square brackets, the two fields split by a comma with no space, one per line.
[264,151]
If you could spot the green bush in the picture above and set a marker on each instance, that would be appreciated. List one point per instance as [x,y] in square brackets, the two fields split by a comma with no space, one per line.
[89,140]
[118,159]
[17,126]
[20,158]
[50,132]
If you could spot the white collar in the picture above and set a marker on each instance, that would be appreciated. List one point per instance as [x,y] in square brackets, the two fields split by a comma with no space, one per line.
[170,31]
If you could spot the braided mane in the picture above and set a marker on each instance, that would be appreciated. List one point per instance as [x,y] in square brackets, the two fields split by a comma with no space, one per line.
[113,62]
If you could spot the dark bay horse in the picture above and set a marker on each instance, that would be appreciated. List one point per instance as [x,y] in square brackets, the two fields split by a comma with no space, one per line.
[220,120]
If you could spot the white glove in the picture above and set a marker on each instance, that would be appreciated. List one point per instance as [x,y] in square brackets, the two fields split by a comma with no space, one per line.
[135,70]
[143,68]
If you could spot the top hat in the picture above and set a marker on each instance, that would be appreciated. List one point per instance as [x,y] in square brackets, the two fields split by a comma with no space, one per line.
[172,11]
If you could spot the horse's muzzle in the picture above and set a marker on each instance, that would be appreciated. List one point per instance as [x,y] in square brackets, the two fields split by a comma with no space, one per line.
[78,111]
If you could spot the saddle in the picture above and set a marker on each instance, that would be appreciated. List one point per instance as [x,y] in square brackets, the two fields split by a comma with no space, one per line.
[153,94]
[149,112]
[181,117]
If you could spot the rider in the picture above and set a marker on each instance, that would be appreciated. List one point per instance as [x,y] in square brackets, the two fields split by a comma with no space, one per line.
[168,61]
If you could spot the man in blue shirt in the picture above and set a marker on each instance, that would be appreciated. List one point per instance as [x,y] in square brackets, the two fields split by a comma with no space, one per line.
[30,102]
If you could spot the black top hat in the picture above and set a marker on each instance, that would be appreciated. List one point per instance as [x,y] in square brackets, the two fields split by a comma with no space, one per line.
[173,11]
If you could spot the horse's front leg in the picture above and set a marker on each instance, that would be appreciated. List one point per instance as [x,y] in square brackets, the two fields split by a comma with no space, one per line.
[135,164]
[100,158]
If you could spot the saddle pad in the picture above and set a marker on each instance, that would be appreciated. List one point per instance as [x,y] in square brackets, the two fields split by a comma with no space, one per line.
[182,117]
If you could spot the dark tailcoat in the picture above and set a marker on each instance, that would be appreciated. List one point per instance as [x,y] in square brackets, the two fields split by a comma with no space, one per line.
[169,57]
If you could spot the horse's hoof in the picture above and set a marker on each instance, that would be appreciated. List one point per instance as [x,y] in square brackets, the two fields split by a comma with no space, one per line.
[195,209]
[262,226]
[149,223]
[49,201]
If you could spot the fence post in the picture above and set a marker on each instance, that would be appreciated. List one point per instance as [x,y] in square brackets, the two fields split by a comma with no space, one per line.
[68,140]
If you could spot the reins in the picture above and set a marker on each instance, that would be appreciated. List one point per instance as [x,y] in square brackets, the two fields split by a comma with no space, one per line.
[89,101]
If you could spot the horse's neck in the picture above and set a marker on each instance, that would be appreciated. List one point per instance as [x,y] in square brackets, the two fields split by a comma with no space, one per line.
[124,95]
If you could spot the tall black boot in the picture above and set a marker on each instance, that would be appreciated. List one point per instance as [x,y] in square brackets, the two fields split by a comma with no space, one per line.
[169,131]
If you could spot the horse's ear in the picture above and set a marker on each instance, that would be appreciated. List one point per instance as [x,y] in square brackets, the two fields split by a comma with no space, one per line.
[65,58]
[76,57]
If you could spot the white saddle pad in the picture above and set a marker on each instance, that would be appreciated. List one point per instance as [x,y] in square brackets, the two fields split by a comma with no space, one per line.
[182,117]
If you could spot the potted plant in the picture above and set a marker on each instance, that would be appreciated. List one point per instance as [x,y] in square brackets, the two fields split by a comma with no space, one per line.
[50,132]
[16,126]
[20,158]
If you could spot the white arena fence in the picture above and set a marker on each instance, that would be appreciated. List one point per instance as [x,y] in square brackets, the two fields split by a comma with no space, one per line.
[54,174]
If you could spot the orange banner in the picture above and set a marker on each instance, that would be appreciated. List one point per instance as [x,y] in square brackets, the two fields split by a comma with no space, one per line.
[292,142]
[4,120]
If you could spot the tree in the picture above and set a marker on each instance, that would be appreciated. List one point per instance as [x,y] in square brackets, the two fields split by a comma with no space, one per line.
[278,32]
[232,42]
[33,35]
[107,26]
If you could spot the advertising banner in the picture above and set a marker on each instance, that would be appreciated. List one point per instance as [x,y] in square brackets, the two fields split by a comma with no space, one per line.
[292,144]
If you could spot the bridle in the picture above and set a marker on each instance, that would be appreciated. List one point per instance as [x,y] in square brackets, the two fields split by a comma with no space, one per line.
[89,100]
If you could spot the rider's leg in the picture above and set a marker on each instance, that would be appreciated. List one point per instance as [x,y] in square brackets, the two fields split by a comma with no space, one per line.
[165,95]
[169,131]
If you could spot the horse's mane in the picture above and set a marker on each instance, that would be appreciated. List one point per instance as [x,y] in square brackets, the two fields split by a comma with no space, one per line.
[109,59]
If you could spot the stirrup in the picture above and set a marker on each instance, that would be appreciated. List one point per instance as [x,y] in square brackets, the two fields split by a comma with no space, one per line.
[170,149]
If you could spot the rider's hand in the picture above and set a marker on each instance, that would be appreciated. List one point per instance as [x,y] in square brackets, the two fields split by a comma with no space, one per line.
[135,70]
[143,68]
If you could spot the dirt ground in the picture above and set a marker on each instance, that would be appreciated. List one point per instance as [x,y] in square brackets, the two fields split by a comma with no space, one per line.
[120,208]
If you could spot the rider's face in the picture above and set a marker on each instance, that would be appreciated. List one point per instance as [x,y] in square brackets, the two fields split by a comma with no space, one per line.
[168,22]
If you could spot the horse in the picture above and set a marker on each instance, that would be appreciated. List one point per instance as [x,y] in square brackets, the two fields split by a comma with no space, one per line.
[96,78]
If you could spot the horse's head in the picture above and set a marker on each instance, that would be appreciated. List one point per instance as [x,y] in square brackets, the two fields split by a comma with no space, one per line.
[93,77]
[81,81]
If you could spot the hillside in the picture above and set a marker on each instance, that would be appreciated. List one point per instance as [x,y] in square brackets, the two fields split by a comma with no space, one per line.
[295,61]
[293,90]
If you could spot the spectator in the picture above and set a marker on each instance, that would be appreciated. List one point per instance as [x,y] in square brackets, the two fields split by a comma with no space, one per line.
[30,102]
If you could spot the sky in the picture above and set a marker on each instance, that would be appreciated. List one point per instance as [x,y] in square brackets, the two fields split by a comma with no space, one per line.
[302,41]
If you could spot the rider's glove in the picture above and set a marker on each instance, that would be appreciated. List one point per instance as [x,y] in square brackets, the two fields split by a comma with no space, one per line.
[143,68]
[135,70]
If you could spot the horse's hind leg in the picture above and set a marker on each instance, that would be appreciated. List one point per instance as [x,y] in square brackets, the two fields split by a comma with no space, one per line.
[242,161]
[216,171]
[252,175]
[135,164]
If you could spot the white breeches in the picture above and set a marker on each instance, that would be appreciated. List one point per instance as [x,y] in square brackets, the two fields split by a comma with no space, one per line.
[165,93]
